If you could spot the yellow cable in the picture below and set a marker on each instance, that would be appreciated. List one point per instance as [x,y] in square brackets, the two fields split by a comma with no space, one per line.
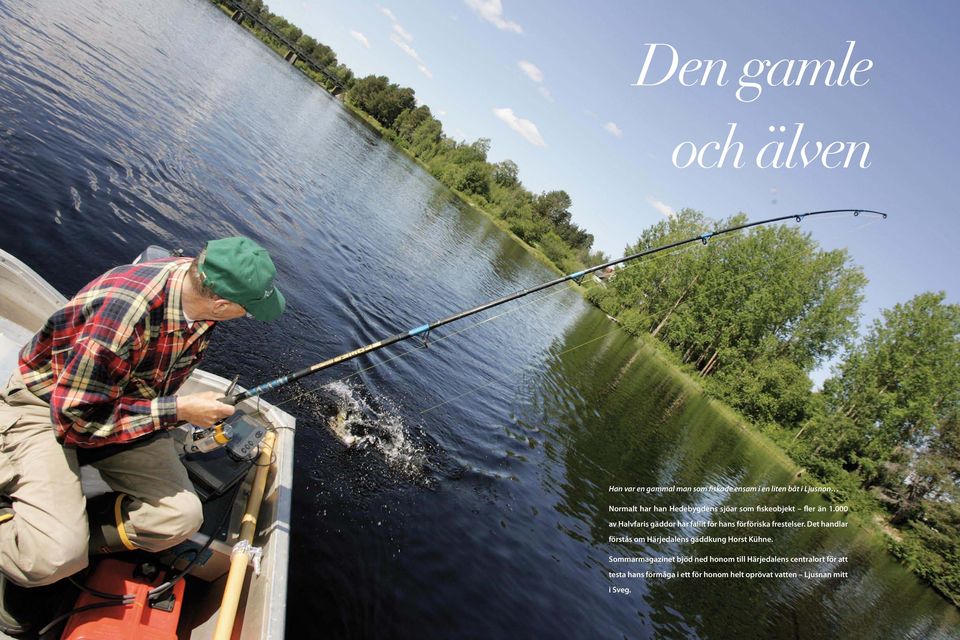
[118,514]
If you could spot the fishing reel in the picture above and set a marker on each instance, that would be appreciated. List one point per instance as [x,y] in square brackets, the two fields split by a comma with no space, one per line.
[239,434]
[219,457]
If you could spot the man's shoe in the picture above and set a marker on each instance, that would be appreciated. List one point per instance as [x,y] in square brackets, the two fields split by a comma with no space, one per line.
[15,608]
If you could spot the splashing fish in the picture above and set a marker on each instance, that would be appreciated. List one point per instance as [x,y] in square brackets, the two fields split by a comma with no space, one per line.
[361,424]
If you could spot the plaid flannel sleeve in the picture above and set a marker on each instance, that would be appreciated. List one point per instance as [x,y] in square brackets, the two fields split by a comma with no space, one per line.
[87,404]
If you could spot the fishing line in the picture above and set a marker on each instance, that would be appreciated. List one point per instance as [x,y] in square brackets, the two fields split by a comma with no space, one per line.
[424,330]
[707,291]
[467,328]
[543,297]
[419,348]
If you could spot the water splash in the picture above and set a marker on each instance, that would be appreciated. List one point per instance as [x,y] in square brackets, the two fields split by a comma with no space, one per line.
[370,424]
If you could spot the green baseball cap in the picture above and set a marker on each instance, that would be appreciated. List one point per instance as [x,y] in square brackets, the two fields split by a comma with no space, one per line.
[241,271]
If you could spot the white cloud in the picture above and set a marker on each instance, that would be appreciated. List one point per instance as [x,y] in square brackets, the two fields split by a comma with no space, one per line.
[612,127]
[441,112]
[403,33]
[359,37]
[402,38]
[533,71]
[492,12]
[406,48]
[664,209]
[527,130]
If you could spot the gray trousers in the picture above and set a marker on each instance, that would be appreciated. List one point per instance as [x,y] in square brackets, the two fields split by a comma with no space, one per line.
[47,538]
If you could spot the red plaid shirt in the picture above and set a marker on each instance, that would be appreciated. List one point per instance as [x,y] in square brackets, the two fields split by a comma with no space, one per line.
[110,361]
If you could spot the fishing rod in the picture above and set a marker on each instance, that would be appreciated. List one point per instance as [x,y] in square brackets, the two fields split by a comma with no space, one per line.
[425,329]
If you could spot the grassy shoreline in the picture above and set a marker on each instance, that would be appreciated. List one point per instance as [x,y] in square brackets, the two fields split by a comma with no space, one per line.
[865,510]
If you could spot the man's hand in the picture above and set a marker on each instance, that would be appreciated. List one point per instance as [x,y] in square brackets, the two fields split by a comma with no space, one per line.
[202,409]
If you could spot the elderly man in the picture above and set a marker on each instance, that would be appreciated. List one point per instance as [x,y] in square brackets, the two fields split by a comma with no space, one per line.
[98,382]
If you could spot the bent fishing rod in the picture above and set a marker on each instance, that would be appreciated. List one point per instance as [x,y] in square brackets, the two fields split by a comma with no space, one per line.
[425,329]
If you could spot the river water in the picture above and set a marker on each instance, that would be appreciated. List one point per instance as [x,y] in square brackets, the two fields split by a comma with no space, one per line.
[476,503]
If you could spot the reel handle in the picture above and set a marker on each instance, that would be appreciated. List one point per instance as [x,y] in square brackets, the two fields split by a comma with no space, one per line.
[229,397]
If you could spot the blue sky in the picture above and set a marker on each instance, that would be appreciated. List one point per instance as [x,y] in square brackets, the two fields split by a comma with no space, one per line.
[568,69]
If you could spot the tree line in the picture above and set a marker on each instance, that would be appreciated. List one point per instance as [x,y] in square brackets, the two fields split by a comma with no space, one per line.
[542,220]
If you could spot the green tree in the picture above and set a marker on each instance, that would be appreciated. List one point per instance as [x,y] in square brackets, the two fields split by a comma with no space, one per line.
[758,310]
[409,120]
[554,206]
[381,99]
[657,287]
[475,179]
[768,391]
[506,173]
[554,248]
[931,500]
[575,236]
[325,57]
[426,139]
[291,32]
[596,257]
[306,44]
[510,202]
[255,6]
[463,153]
[277,22]
[528,227]
[900,386]
[343,73]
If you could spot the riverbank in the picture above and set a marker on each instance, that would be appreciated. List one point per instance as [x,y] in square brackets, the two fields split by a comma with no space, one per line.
[469,167]
[867,510]
[464,198]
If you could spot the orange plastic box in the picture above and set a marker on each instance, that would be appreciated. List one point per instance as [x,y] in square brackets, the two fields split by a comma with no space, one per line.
[136,621]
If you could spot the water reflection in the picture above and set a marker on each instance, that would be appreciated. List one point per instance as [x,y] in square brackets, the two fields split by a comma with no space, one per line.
[618,417]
